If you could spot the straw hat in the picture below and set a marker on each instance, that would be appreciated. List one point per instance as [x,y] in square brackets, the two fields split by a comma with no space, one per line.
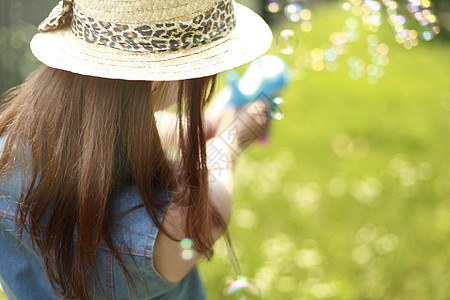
[150,39]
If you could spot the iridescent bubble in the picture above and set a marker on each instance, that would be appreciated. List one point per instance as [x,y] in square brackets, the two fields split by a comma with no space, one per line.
[351,23]
[187,253]
[391,12]
[346,6]
[362,254]
[383,49]
[317,65]
[407,44]
[353,74]
[317,54]
[399,28]
[278,100]
[330,55]
[399,38]
[427,35]
[412,8]
[292,11]
[380,60]
[240,288]
[400,20]
[306,26]
[277,113]
[186,243]
[373,50]
[331,66]
[426,3]
[352,62]
[393,4]
[371,70]
[287,41]
[372,40]
[356,10]
[273,6]
[374,5]
[366,9]
[424,22]
[379,72]
[340,49]
[432,18]
[352,35]
[338,38]
[305,14]
[360,65]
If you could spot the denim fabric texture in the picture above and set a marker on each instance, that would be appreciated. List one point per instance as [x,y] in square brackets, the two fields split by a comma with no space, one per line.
[21,268]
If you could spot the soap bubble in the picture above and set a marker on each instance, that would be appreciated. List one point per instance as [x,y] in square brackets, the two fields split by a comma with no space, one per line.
[306,26]
[240,288]
[305,15]
[277,113]
[427,35]
[351,23]
[273,6]
[372,40]
[278,100]
[292,11]
[187,253]
[372,79]
[331,66]
[436,29]
[352,62]
[330,54]
[287,41]
[277,116]
[383,49]
[346,6]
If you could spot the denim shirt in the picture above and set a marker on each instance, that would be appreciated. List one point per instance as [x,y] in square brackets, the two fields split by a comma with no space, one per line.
[23,276]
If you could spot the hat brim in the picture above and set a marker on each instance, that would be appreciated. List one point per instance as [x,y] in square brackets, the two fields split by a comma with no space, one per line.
[60,49]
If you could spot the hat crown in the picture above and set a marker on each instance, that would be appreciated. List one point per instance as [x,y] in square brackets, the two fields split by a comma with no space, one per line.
[150,39]
[143,11]
[144,26]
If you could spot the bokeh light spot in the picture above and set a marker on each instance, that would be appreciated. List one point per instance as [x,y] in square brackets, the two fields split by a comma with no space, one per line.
[273,6]
[306,26]
[292,11]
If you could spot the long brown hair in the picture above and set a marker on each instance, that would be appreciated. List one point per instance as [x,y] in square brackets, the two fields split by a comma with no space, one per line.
[88,137]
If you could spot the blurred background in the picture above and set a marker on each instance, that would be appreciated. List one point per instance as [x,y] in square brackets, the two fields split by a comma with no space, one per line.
[349,199]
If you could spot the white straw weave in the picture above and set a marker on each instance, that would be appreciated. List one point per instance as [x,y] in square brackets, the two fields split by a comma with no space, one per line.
[62,50]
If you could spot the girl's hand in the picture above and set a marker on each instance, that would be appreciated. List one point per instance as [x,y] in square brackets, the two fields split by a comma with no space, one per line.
[255,117]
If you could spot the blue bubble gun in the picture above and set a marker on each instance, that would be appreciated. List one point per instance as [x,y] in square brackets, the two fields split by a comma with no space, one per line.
[264,79]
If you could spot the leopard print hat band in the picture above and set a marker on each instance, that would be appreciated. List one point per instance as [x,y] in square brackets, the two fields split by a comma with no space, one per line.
[156,40]
[171,35]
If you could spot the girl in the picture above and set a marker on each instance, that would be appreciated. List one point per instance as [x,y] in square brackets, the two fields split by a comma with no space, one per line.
[99,181]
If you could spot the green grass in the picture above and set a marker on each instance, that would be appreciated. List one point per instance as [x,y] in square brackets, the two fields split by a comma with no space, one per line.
[350,198]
